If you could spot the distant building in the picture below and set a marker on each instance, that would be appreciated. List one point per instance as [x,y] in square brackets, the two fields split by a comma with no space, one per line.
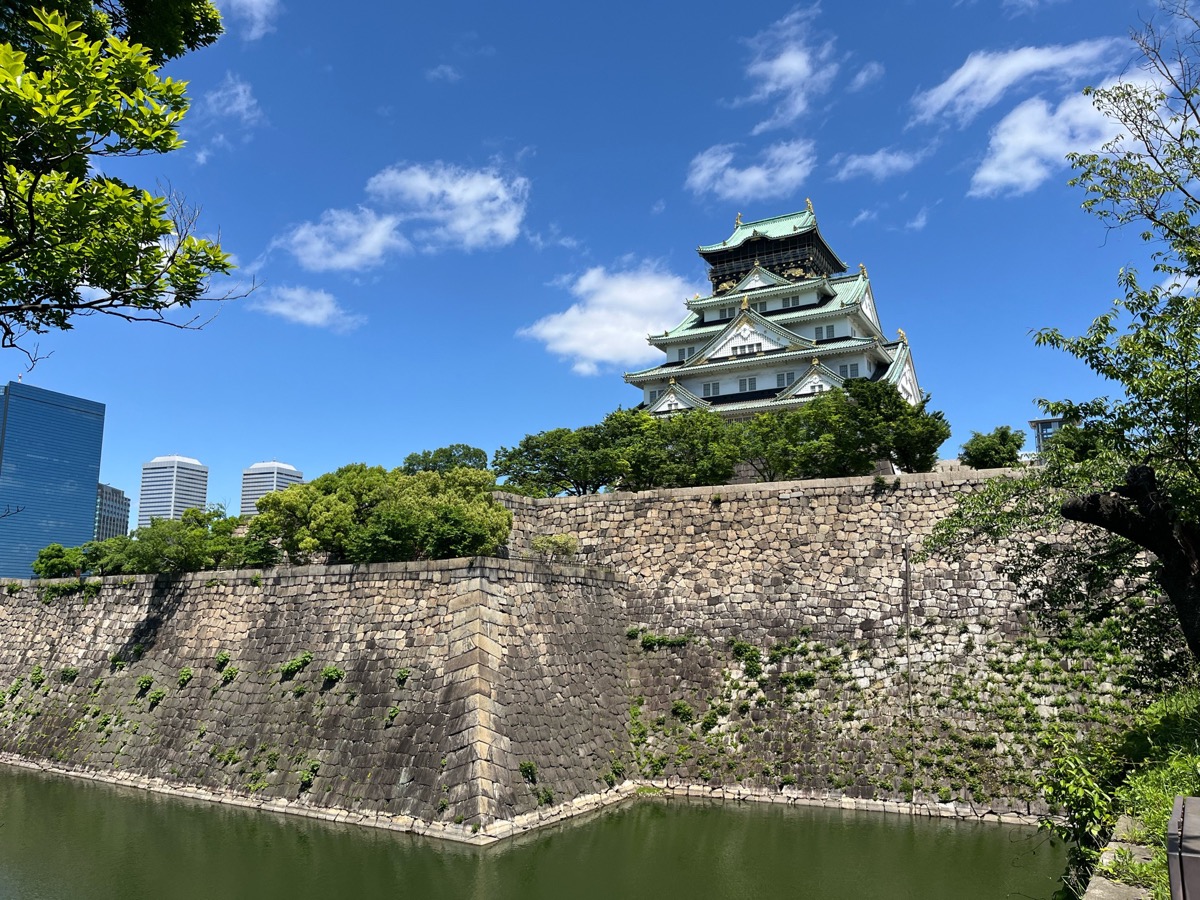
[49,468]
[1043,430]
[171,484]
[263,478]
[782,325]
[112,512]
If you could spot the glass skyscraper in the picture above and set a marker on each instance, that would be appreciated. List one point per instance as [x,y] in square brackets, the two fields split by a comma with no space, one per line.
[49,468]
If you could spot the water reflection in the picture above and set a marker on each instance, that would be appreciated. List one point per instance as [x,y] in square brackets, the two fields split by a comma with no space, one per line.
[64,839]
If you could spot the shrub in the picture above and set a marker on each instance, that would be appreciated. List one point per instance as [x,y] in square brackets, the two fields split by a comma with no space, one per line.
[402,677]
[683,711]
[292,666]
[655,641]
[555,546]
[221,660]
[144,683]
[229,674]
[333,674]
[155,697]
[308,773]
[68,674]
[528,770]
[37,677]
[185,675]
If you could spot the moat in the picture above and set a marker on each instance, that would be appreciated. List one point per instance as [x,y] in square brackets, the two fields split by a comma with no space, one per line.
[61,838]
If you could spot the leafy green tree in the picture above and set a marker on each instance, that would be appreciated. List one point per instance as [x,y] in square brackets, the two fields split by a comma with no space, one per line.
[57,561]
[166,28]
[362,514]
[443,459]
[562,460]
[74,241]
[698,447]
[906,434]
[998,449]
[1134,502]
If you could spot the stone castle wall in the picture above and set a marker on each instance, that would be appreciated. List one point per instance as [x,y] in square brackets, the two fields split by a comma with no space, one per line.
[771,640]
[503,663]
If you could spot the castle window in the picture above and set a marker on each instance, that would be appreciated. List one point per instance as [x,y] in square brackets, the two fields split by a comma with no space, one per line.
[791,302]
[726,312]
[685,353]
[783,379]
[848,371]
[747,384]
[759,307]
[711,389]
[746,349]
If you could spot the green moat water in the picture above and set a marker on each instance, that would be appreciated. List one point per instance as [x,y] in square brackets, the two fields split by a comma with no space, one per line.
[63,839]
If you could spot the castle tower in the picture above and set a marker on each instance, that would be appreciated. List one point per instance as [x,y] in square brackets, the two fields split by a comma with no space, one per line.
[782,324]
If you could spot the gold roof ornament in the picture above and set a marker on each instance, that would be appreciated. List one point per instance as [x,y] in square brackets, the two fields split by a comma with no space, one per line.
[903,336]
[808,203]
[737,223]
[816,361]
[672,381]
[745,303]
[862,270]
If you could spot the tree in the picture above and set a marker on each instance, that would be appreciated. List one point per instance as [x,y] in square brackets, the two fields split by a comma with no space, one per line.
[167,28]
[363,514]
[444,459]
[998,449]
[1140,491]
[575,462]
[74,241]
[906,434]
[57,561]
[840,434]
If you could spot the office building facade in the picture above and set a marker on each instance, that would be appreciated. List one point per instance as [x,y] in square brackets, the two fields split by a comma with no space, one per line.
[170,485]
[263,478]
[49,467]
[112,512]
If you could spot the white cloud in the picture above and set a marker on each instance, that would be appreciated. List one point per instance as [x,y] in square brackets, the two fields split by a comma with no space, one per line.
[444,72]
[469,208]
[612,313]
[789,68]
[233,99]
[344,239]
[869,73]
[864,215]
[1032,141]
[919,221]
[781,169]
[878,165]
[257,15]
[307,306]
[985,77]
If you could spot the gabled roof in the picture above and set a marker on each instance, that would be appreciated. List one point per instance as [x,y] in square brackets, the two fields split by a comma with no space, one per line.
[759,324]
[678,393]
[758,278]
[817,371]
[776,227]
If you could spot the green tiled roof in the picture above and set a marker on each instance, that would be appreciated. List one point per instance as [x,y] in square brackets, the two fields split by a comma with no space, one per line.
[777,227]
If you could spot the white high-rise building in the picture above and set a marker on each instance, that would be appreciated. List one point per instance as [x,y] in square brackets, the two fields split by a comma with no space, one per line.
[263,478]
[171,484]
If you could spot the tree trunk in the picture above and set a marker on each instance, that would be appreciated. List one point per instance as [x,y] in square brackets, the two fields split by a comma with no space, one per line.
[1139,512]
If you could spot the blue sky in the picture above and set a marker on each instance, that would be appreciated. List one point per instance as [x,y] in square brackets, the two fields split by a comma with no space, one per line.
[463,219]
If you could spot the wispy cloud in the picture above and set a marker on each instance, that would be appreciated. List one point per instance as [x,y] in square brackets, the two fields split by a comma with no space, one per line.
[880,165]
[919,221]
[789,69]
[985,77]
[868,74]
[453,206]
[1032,141]
[864,215]
[431,207]
[444,72]
[256,16]
[345,239]
[307,306]
[612,312]
[781,169]
[233,98]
